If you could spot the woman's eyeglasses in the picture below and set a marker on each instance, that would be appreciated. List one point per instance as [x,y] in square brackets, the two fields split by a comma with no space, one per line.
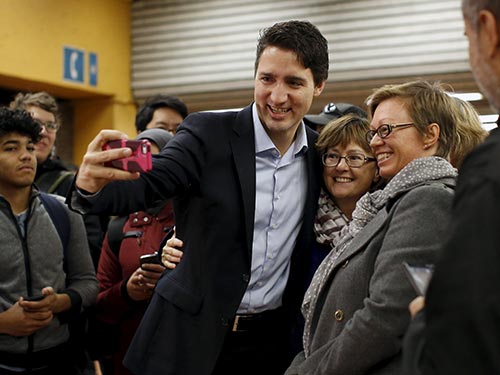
[353,160]
[384,130]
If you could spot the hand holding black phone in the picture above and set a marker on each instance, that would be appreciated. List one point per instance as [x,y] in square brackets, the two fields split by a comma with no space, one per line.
[155,258]
[34,298]
[150,258]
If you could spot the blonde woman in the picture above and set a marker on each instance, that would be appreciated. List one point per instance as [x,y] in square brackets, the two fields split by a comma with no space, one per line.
[356,306]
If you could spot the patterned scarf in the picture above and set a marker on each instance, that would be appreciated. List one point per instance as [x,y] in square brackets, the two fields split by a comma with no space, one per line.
[329,220]
[414,173]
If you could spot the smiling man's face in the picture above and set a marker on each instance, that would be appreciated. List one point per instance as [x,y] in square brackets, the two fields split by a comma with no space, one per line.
[284,91]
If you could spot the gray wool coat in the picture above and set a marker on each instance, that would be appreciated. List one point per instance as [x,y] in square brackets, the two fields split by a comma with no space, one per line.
[362,314]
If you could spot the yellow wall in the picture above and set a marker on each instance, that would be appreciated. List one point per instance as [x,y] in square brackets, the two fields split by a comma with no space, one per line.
[33,34]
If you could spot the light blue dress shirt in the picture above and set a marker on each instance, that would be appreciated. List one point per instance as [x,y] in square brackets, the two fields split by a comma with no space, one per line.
[281,188]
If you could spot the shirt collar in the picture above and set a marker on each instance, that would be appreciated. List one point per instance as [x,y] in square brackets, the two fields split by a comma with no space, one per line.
[264,143]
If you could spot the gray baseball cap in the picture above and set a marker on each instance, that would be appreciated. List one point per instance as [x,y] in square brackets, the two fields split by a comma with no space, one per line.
[333,111]
[158,136]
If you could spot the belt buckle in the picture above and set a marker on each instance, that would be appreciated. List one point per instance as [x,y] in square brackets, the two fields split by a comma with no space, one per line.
[235,323]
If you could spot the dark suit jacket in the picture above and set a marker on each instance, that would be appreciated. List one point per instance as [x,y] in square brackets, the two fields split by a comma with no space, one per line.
[460,330]
[209,166]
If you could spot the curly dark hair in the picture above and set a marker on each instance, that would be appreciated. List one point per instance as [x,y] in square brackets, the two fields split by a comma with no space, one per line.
[19,121]
[304,39]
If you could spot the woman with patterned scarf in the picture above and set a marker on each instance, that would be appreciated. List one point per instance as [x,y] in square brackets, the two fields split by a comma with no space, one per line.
[356,306]
[349,171]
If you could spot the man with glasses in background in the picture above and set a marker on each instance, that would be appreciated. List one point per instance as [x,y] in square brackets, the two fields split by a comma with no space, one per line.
[52,175]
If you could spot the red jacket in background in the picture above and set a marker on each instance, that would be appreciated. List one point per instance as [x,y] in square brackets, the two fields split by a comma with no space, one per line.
[114,306]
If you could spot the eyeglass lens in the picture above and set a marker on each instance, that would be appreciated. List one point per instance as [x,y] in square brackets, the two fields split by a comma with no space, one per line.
[352,160]
[49,126]
[384,130]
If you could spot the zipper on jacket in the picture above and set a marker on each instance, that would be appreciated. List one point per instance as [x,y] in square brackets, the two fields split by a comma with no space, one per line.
[27,267]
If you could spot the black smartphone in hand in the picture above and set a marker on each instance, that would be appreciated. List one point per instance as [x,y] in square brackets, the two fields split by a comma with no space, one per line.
[34,298]
[150,258]
[419,277]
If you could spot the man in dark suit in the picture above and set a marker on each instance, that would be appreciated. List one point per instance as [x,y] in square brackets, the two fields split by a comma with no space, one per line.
[458,332]
[245,186]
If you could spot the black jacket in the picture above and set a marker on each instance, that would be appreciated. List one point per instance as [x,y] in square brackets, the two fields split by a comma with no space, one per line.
[459,333]
[209,166]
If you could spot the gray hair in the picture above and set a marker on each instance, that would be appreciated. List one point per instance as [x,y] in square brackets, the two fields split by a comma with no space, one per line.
[471,8]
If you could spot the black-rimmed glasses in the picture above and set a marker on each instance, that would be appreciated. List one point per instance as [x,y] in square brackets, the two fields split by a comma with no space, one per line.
[384,130]
[331,159]
[50,127]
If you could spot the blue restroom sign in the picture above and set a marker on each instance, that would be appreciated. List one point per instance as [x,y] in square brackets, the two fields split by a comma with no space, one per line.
[93,69]
[74,61]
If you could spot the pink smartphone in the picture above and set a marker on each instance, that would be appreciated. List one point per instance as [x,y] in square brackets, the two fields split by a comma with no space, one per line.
[139,161]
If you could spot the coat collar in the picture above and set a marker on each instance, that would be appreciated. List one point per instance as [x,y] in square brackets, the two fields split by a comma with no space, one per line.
[378,223]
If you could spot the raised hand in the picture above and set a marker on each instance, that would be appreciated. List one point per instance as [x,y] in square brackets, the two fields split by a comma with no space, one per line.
[93,175]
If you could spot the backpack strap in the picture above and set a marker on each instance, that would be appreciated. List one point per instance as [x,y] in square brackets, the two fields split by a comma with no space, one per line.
[59,217]
[50,181]
[115,234]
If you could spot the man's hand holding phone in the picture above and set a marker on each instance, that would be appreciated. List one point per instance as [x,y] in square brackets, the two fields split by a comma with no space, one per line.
[139,161]
[28,314]
[48,300]
[93,173]
[142,282]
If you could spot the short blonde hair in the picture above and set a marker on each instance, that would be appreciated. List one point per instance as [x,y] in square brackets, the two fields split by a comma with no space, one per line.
[470,131]
[426,103]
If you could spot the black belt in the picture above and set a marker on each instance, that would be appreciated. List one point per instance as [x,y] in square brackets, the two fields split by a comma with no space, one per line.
[252,322]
